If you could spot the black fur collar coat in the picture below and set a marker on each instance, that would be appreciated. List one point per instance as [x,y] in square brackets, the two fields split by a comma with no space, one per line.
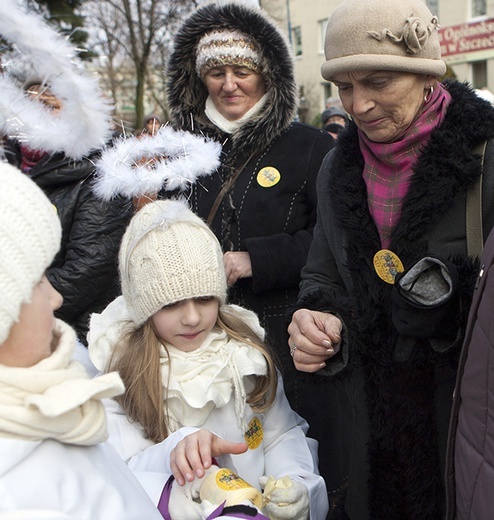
[396,414]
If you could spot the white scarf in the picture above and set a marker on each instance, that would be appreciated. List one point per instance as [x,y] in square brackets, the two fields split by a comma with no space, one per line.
[230,127]
[208,378]
[201,380]
[56,399]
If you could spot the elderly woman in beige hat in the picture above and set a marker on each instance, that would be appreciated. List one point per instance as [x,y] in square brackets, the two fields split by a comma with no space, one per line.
[391,270]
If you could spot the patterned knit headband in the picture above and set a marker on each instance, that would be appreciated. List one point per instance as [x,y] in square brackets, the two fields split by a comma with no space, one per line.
[227,47]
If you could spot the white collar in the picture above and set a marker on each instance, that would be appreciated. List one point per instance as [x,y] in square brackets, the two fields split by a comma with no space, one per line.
[209,377]
[230,127]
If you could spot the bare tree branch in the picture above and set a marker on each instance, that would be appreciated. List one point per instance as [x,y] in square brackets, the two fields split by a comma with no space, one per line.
[130,36]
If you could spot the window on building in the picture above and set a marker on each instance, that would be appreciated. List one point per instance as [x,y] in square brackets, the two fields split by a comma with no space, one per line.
[433,5]
[479,8]
[297,40]
[322,33]
[327,93]
[479,74]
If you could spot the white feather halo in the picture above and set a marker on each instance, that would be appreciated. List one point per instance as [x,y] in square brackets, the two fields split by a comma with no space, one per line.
[171,159]
[84,121]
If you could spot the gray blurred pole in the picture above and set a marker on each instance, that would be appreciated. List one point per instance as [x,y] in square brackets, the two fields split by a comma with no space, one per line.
[289,23]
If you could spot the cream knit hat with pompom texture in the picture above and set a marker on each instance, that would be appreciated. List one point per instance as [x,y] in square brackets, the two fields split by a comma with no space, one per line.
[30,235]
[168,254]
[372,35]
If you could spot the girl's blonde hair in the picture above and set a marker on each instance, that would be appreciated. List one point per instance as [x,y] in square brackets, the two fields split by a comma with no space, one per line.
[137,359]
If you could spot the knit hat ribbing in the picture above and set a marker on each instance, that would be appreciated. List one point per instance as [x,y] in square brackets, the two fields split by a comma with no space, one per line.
[227,47]
[397,35]
[30,234]
[168,254]
[333,111]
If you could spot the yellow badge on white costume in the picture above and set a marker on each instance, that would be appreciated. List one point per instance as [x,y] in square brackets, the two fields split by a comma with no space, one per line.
[254,434]
[387,265]
[268,176]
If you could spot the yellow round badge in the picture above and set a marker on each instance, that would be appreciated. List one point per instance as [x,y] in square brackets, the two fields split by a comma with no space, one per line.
[254,434]
[387,265]
[268,176]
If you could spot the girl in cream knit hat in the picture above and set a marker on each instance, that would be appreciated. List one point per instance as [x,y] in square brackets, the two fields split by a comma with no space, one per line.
[52,423]
[200,380]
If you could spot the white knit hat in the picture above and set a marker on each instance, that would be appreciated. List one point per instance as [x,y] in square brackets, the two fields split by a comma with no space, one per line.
[168,254]
[396,35]
[30,235]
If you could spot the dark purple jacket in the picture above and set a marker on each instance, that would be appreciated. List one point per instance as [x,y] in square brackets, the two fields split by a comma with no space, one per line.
[470,464]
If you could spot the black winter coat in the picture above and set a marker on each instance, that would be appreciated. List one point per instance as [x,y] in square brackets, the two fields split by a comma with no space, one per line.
[85,270]
[271,217]
[392,418]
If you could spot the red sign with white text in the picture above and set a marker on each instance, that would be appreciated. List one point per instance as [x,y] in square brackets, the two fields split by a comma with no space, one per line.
[466,38]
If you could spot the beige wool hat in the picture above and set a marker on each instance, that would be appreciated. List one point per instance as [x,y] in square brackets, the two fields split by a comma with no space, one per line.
[168,254]
[30,234]
[227,47]
[369,35]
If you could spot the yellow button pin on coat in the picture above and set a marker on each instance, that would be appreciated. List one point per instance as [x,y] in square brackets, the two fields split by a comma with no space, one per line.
[254,434]
[387,265]
[268,176]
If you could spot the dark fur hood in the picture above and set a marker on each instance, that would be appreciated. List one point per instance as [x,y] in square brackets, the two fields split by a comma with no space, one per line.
[187,93]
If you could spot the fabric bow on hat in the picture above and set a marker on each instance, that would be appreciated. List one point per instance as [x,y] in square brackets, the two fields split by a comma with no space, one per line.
[415,33]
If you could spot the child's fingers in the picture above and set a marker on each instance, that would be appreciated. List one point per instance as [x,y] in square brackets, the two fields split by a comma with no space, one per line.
[180,466]
[223,447]
[192,456]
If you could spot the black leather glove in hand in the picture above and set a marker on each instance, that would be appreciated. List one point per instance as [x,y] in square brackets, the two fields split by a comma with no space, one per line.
[425,302]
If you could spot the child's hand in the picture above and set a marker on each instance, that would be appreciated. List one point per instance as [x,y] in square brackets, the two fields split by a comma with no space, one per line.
[185,500]
[194,454]
[285,499]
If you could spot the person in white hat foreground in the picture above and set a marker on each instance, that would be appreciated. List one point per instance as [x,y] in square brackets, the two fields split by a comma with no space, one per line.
[53,459]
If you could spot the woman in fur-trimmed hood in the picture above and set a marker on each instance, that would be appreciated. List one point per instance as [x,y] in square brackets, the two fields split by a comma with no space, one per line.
[231,78]
[187,93]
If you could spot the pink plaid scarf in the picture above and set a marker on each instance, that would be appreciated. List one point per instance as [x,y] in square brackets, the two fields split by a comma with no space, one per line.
[388,167]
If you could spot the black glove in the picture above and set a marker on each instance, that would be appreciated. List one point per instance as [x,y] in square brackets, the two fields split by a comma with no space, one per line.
[425,303]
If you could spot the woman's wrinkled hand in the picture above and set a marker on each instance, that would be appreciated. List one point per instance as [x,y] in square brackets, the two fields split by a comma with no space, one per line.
[193,455]
[314,338]
[237,265]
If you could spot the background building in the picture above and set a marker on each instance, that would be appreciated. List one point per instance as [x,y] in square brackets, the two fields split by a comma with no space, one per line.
[467,42]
